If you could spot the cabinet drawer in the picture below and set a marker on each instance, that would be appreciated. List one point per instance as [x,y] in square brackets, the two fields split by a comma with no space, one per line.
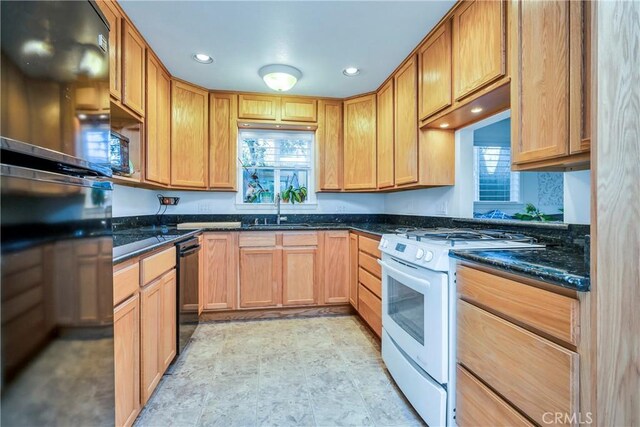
[543,310]
[476,405]
[155,265]
[368,245]
[300,239]
[370,281]
[370,264]
[370,308]
[126,282]
[534,374]
[257,239]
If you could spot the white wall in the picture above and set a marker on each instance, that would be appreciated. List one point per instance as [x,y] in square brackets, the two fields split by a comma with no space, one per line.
[577,197]
[129,201]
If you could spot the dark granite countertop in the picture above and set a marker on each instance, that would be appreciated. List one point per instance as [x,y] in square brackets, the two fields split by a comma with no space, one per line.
[559,265]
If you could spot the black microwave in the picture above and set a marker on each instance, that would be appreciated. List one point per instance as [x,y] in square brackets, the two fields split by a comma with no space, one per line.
[119,153]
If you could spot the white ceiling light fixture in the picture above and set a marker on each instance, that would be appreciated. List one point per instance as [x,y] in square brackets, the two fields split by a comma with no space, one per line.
[351,71]
[280,77]
[203,58]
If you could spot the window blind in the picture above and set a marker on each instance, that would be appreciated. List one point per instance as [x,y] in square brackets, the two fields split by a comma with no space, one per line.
[279,150]
[494,180]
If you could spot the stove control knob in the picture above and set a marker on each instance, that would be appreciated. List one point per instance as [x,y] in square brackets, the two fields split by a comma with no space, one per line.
[419,253]
[385,243]
[428,256]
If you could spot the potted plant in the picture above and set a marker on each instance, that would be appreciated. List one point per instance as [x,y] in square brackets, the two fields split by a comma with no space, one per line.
[294,195]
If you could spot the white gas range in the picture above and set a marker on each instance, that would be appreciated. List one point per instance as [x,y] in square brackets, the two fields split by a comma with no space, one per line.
[418,311]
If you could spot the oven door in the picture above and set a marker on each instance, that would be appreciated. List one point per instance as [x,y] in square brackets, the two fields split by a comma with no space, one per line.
[414,314]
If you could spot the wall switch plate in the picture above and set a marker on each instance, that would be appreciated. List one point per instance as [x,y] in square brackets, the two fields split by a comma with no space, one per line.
[168,201]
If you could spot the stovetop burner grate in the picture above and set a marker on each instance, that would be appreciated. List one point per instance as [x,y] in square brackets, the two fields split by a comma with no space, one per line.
[462,235]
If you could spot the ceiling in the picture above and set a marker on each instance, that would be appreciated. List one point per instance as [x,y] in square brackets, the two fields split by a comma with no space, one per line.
[320,38]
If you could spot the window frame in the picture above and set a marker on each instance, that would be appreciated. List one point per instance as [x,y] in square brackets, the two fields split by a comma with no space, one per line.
[310,203]
[476,183]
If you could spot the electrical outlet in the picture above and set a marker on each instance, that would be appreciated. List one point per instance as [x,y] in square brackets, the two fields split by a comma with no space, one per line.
[443,208]
[341,208]
[205,207]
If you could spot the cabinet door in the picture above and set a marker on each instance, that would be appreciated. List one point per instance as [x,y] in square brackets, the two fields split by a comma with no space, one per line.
[434,82]
[189,135]
[262,107]
[299,109]
[360,143]
[385,135]
[201,271]
[126,342]
[479,47]
[110,11]
[133,60]
[353,269]
[157,121]
[168,341]
[220,271]
[540,81]
[300,276]
[336,267]
[406,123]
[580,83]
[329,143]
[223,140]
[260,276]
[151,335]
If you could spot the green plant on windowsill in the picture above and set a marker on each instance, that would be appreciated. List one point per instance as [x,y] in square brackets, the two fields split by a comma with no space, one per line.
[294,195]
[532,214]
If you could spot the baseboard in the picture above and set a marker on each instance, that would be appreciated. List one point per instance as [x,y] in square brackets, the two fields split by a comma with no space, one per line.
[277,313]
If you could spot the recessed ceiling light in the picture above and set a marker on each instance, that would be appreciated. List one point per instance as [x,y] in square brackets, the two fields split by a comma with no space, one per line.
[203,58]
[444,125]
[351,71]
[476,110]
[280,77]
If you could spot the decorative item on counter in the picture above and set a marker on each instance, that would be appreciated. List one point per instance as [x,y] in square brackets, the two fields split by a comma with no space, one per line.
[532,214]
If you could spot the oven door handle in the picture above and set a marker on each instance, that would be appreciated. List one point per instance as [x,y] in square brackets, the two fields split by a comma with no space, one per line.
[408,277]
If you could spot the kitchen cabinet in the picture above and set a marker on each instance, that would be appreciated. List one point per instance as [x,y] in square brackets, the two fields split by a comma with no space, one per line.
[360,143]
[550,46]
[189,135]
[158,122]
[220,268]
[406,126]
[385,135]
[223,140]
[370,309]
[201,272]
[261,107]
[300,270]
[114,18]
[479,45]
[299,109]
[126,341]
[519,339]
[329,145]
[133,69]
[168,327]
[260,272]
[367,275]
[353,270]
[336,248]
[434,82]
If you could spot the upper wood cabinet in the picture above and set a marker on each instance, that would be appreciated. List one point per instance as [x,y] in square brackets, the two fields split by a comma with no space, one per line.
[329,145]
[434,83]
[479,45]
[158,123]
[360,143]
[133,69]
[260,272]
[406,123]
[220,267]
[223,140]
[261,107]
[114,17]
[299,109]
[336,267]
[189,135]
[549,88]
[385,135]
[126,343]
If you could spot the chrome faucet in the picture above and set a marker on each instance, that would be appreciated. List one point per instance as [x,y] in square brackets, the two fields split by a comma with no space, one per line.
[278,208]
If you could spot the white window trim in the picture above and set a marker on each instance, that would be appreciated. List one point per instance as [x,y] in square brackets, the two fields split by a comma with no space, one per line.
[310,204]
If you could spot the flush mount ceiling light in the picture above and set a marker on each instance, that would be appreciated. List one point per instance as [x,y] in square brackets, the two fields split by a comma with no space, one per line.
[351,71]
[476,110]
[203,58]
[280,77]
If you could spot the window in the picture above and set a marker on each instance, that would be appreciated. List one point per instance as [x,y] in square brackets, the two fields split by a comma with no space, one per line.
[494,181]
[276,162]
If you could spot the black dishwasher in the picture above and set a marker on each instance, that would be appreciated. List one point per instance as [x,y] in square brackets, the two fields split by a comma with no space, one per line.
[187,289]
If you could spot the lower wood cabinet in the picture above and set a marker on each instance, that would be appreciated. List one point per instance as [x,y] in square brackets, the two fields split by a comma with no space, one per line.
[126,341]
[336,267]
[353,270]
[300,270]
[219,268]
[368,284]
[260,277]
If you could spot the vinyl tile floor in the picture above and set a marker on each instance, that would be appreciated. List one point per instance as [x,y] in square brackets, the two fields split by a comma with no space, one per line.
[324,371]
